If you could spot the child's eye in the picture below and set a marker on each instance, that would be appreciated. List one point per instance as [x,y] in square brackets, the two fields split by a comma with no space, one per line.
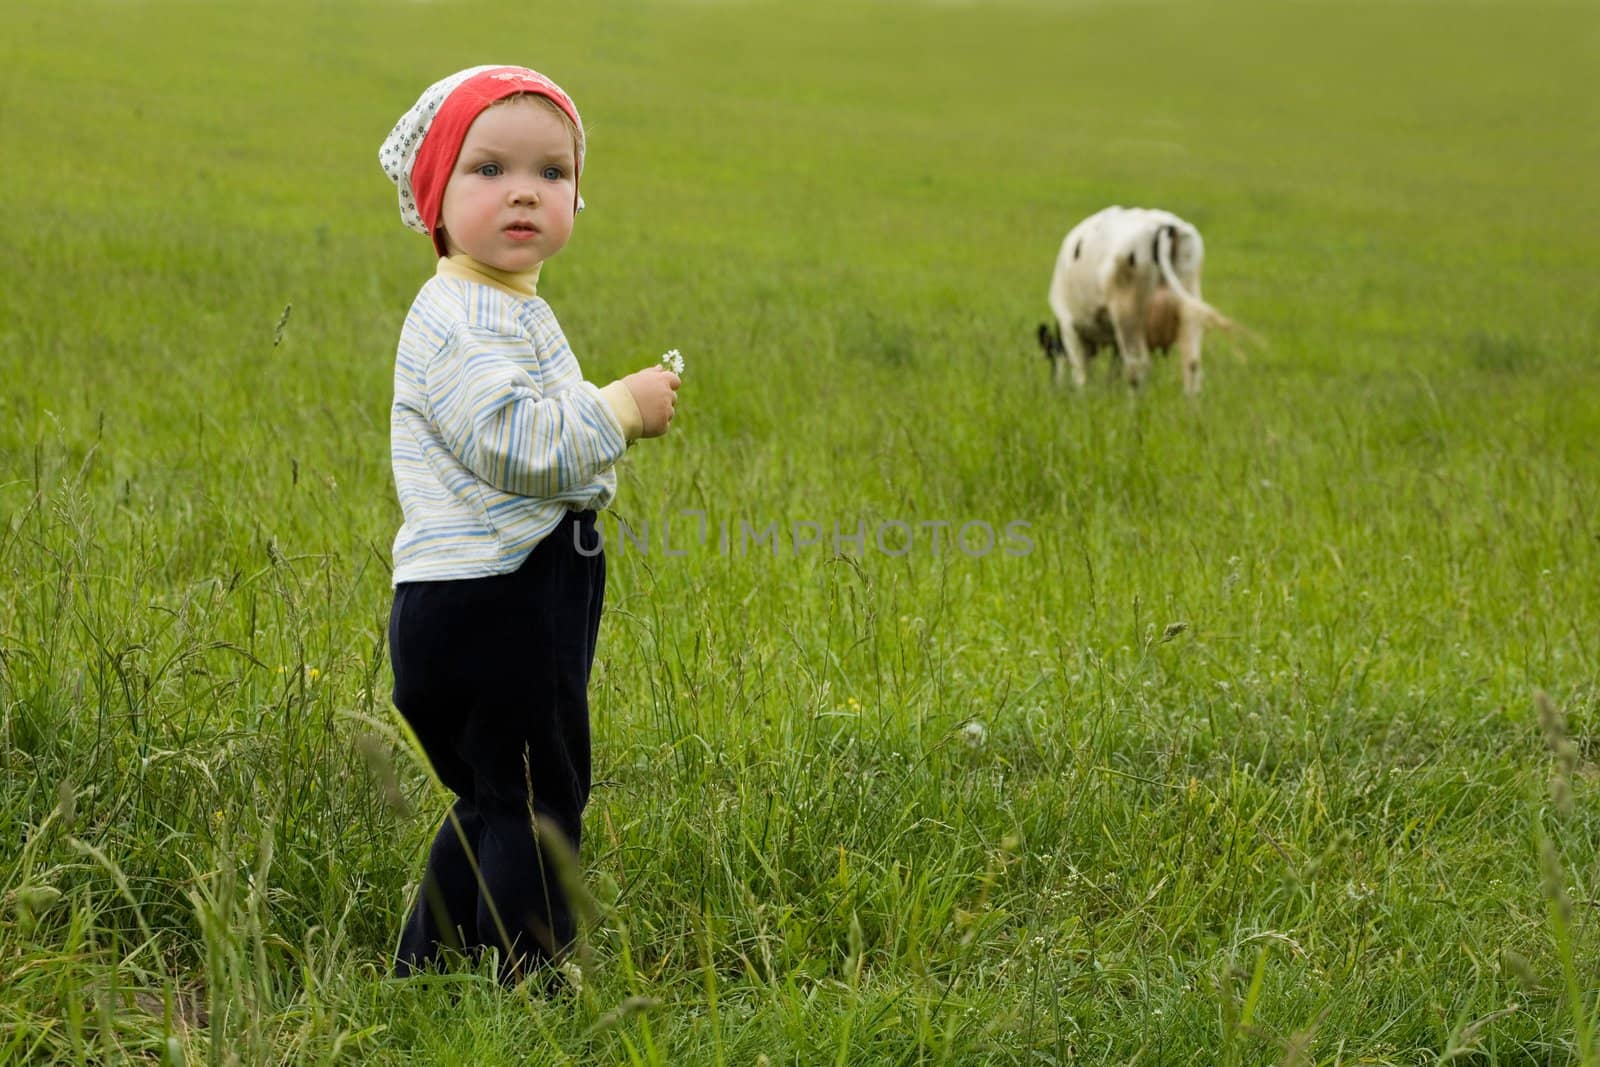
[489,170]
[554,173]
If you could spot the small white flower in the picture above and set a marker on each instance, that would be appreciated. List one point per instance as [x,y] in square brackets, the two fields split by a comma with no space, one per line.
[673,361]
[974,734]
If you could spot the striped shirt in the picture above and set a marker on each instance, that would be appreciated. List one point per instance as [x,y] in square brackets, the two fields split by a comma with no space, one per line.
[494,433]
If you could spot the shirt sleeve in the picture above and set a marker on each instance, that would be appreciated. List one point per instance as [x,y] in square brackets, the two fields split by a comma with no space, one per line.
[625,408]
[491,413]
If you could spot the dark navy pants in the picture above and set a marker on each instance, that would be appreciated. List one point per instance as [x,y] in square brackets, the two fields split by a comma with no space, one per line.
[493,676]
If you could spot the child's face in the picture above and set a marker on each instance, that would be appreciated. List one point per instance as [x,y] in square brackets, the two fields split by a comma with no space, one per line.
[509,201]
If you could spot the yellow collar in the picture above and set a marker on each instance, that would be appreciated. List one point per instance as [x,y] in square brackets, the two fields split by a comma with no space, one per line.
[520,284]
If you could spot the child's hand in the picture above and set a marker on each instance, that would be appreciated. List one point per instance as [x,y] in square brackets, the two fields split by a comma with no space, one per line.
[655,390]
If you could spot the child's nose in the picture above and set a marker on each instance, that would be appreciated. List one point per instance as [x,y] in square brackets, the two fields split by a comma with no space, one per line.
[524,194]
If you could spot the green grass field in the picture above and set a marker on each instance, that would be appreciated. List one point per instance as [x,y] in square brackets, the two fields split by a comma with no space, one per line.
[1244,762]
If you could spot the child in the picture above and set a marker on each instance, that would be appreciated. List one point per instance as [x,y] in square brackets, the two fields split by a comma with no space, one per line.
[502,452]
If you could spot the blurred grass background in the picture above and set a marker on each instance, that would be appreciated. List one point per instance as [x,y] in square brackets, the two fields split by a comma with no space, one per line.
[1239,764]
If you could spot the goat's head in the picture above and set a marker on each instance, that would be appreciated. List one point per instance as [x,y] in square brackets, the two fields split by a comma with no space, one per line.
[1050,341]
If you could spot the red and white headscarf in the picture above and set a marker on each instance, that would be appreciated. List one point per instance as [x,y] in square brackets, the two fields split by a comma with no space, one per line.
[421,150]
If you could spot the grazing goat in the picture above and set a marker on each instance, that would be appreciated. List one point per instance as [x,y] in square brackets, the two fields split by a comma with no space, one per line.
[1129,277]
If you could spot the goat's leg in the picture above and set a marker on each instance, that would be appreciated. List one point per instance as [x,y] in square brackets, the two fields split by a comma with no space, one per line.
[1191,332]
[1069,339]
[1127,321]
[1077,357]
